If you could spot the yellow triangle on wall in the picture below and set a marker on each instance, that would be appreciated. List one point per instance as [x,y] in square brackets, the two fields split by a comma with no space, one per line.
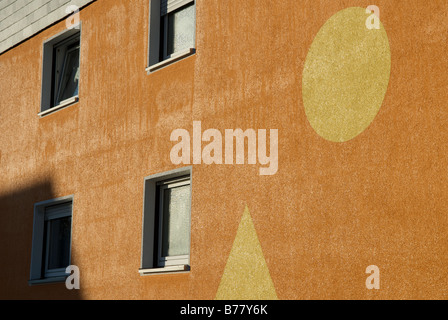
[246,275]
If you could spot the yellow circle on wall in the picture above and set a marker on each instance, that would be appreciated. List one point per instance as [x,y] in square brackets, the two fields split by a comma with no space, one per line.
[346,75]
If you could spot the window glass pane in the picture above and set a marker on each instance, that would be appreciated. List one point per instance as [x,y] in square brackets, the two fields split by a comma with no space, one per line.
[59,243]
[70,76]
[176,221]
[181,29]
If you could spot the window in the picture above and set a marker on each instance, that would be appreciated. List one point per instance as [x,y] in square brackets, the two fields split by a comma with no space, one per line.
[174,222]
[166,222]
[51,240]
[66,73]
[172,31]
[60,77]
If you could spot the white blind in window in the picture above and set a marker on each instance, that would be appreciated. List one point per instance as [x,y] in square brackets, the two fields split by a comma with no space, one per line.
[167,6]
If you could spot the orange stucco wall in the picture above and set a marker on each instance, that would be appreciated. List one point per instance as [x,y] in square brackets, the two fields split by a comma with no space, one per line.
[330,211]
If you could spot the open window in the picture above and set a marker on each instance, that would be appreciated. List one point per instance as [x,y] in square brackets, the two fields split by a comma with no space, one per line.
[60,71]
[66,71]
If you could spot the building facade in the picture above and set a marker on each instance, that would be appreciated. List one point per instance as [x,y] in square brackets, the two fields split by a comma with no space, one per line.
[211,149]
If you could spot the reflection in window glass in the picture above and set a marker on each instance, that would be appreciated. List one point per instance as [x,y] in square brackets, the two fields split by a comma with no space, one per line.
[181,26]
[58,237]
[176,221]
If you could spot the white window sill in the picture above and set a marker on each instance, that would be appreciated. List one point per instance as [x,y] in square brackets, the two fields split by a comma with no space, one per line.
[165,270]
[61,105]
[47,280]
[173,58]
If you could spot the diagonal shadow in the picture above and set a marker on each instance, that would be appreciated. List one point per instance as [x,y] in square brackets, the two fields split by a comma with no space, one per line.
[16,234]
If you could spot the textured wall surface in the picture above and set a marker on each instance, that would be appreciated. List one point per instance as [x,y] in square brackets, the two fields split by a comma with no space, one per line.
[20,19]
[331,210]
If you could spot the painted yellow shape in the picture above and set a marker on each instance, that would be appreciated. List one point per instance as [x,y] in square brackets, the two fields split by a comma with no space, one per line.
[246,275]
[346,75]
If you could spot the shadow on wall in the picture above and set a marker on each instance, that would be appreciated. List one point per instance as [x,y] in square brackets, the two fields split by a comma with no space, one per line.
[16,233]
